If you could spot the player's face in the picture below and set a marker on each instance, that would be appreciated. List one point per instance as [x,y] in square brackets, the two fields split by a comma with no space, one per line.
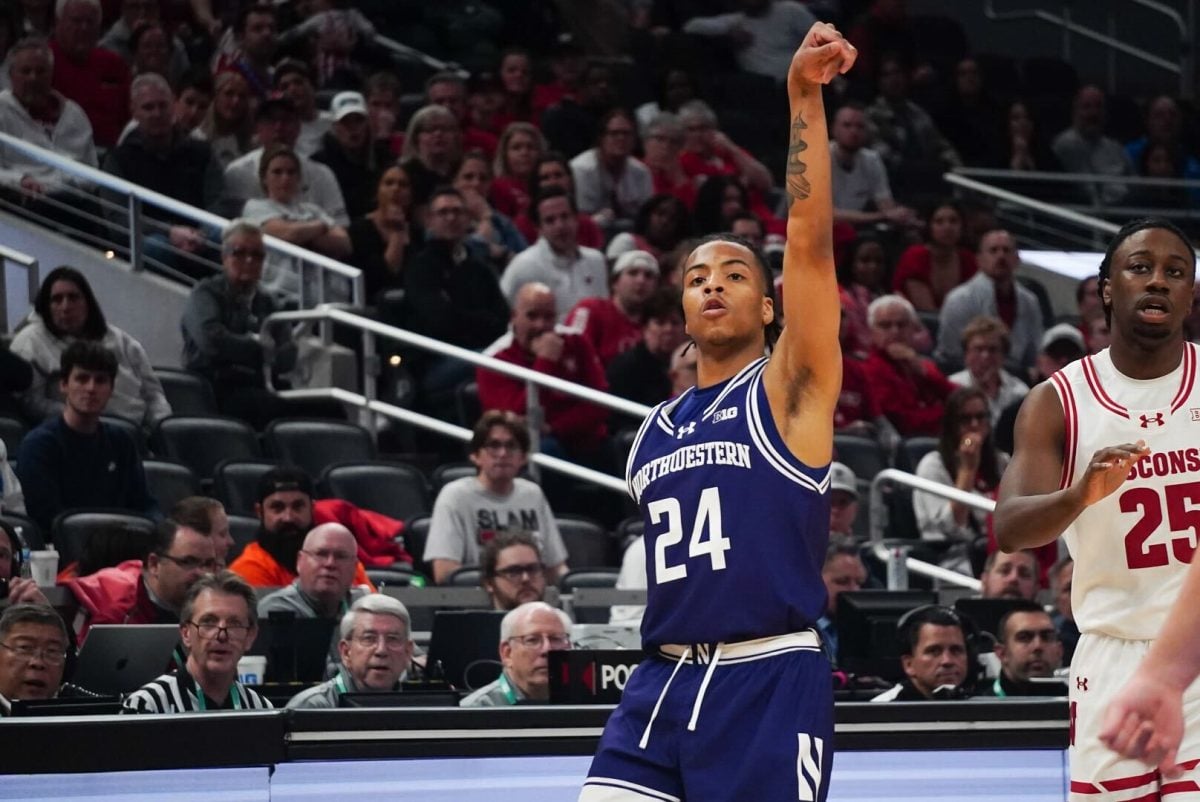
[1031,647]
[842,573]
[1150,286]
[723,300]
[940,658]
[1012,576]
[520,578]
[529,665]
[501,457]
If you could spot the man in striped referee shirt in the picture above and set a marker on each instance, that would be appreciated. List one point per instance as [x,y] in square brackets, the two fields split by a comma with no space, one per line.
[218,625]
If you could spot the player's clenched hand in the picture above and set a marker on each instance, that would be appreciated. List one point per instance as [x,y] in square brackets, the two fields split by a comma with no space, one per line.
[1107,470]
[823,54]
[1145,722]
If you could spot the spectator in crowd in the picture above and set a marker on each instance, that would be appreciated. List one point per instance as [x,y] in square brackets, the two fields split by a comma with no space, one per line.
[1061,345]
[913,149]
[74,459]
[375,648]
[843,500]
[683,368]
[1084,148]
[66,311]
[572,426]
[573,272]
[763,32]
[662,145]
[382,241]
[223,340]
[750,228]
[472,511]
[147,591]
[494,235]
[228,125]
[1164,127]
[1010,576]
[194,96]
[512,572]
[158,155]
[449,89]
[32,110]
[35,17]
[1097,335]
[349,151]
[285,511]
[277,124]
[334,33]
[518,155]
[283,213]
[382,91]
[632,576]
[1025,148]
[676,88]
[965,458]
[927,272]
[862,277]
[294,80]
[324,571]
[643,373]
[933,656]
[527,635]
[1161,161]
[843,571]
[20,589]
[218,627]
[34,655]
[570,125]
[136,14]
[610,184]
[554,170]
[207,516]
[95,78]
[972,118]
[1028,648]
[254,43]
[662,223]
[858,411]
[985,342]
[432,150]
[993,291]
[909,388]
[152,51]
[719,202]
[1061,576]
[861,192]
[708,151]
[515,71]
[567,60]
[451,295]
[1088,304]
[614,325]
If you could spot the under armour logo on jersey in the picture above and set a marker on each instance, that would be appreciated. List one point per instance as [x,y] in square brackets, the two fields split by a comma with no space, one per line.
[1081,683]
[1156,419]
[684,431]
[728,413]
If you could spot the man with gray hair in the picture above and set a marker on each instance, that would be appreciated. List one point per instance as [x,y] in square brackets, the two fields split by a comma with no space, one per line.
[910,388]
[33,651]
[376,651]
[95,78]
[527,636]
[707,150]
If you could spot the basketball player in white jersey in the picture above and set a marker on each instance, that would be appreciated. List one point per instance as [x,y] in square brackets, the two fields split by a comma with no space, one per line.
[1108,456]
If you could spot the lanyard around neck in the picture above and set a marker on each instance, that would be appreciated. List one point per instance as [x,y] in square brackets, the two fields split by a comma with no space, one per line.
[510,693]
[202,705]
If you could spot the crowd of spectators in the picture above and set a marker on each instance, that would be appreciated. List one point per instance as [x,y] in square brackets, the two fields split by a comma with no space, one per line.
[536,210]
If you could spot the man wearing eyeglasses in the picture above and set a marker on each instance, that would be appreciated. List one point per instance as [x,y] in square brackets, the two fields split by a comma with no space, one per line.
[148,591]
[513,571]
[375,653]
[527,636]
[33,651]
[325,570]
[218,626]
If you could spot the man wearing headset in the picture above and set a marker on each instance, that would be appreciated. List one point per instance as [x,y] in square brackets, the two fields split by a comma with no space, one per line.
[933,654]
[12,586]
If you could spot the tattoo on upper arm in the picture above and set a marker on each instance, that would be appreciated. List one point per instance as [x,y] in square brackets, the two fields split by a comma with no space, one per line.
[797,185]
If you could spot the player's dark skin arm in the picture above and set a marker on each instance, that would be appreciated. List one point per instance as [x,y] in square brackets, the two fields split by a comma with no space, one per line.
[1032,509]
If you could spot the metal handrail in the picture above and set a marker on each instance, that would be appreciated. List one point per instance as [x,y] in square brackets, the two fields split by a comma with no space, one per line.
[1076,178]
[10,256]
[138,195]
[895,554]
[405,51]
[1086,221]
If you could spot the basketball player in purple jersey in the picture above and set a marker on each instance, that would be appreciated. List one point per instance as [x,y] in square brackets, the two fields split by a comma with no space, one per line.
[734,701]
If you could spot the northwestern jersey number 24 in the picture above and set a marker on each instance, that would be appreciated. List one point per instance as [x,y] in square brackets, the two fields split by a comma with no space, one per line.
[707,538]
[1182,517]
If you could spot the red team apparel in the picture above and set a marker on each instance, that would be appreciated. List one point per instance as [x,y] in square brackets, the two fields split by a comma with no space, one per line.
[607,328]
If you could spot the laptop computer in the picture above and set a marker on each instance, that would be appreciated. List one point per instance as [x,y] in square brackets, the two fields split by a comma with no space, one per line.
[467,645]
[297,649]
[120,658]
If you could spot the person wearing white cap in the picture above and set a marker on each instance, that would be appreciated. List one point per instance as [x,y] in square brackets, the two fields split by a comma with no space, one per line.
[350,152]
[1060,346]
[843,499]
[614,325]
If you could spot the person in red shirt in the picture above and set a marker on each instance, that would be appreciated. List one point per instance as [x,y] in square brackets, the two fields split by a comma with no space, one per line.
[662,145]
[571,426]
[517,154]
[614,325]
[95,78]
[553,170]
[927,272]
[910,389]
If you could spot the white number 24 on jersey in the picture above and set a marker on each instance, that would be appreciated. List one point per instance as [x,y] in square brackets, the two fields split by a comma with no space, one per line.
[707,538]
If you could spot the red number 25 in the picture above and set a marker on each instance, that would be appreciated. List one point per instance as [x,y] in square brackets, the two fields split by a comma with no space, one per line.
[1182,517]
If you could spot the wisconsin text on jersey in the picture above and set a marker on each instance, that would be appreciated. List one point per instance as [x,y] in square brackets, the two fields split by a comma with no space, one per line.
[684,458]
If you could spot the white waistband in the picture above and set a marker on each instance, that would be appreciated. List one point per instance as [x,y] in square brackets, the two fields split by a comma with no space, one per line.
[742,651]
